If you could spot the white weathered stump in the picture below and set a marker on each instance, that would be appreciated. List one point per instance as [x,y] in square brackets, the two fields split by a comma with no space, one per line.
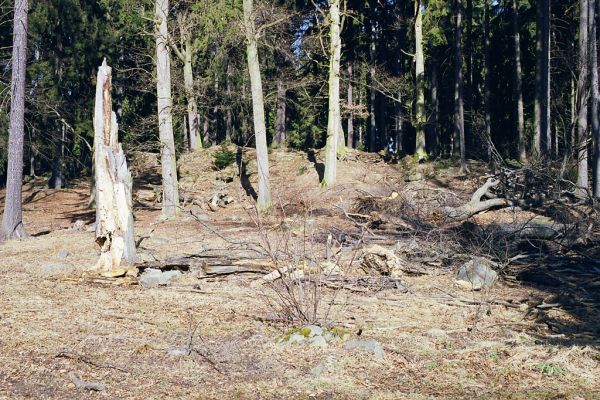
[114,207]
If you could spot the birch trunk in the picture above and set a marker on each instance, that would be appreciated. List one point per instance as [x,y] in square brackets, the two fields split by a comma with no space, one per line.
[334,121]
[263,202]
[12,219]
[165,118]
[229,113]
[583,95]
[114,207]
[518,91]
[420,114]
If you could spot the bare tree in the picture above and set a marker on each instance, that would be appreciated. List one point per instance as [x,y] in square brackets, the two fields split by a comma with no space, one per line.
[421,117]
[334,123]
[595,96]
[263,202]
[543,140]
[583,96]
[518,88]
[459,115]
[165,117]
[12,219]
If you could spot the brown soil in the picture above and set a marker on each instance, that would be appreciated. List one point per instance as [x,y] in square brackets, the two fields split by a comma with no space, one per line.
[55,322]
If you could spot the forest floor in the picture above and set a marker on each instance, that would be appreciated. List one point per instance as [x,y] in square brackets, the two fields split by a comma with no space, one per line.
[60,322]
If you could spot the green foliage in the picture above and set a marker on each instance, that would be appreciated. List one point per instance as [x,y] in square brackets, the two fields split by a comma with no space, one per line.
[223,157]
[548,368]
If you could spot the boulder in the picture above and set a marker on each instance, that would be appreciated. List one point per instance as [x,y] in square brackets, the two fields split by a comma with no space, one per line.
[155,277]
[477,274]
[369,346]
[380,261]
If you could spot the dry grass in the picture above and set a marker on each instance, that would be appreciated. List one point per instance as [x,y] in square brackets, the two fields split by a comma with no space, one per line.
[54,323]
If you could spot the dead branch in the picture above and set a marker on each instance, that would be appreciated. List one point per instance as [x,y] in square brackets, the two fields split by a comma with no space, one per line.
[476,205]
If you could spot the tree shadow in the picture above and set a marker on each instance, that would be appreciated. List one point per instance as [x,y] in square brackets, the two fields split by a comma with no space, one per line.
[244,177]
[319,167]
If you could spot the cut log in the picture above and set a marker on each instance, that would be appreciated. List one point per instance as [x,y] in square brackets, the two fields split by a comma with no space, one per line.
[114,216]
[476,205]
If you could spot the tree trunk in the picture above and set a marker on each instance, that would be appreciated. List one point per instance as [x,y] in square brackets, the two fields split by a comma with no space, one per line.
[469,64]
[12,219]
[57,178]
[350,126]
[459,118]
[435,105]
[192,106]
[114,207]
[583,95]
[420,114]
[595,96]
[334,120]
[263,203]
[542,138]
[165,118]
[280,128]
[373,131]
[229,113]
[487,90]
[518,91]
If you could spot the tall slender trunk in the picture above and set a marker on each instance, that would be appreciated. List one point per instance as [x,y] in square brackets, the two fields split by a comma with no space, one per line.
[421,117]
[229,113]
[334,120]
[350,126]
[487,90]
[435,110]
[263,202]
[12,219]
[518,88]
[373,131]
[469,64]
[583,96]
[192,107]
[542,138]
[280,118]
[595,96]
[215,131]
[459,117]
[165,118]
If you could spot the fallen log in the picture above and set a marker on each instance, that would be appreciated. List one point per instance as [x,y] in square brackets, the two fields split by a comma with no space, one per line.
[476,205]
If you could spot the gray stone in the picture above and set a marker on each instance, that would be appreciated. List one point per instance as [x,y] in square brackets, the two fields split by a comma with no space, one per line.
[318,370]
[178,352]
[296,338]
[477,274]
[59,268]
[314,330]
[63,254]
[437,334]
[370,346]
[318,341]
[155,277]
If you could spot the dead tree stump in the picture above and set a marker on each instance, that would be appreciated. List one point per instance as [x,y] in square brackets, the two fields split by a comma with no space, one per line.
[114,207]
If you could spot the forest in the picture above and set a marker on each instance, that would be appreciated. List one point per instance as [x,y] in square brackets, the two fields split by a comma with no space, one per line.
[309,199]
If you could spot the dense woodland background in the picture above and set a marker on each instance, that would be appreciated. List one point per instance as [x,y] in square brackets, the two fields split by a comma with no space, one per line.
[380,89]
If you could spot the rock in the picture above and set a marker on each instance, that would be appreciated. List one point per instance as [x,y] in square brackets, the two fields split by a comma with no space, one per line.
[380,261]
[318,370]
[313,330]
[59,268]
[296,338]
[155,277]
[370,346]
[417,176]
[477,274]
[437,334]
[63,254]
[178,353]
[318,341]
[78,225]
